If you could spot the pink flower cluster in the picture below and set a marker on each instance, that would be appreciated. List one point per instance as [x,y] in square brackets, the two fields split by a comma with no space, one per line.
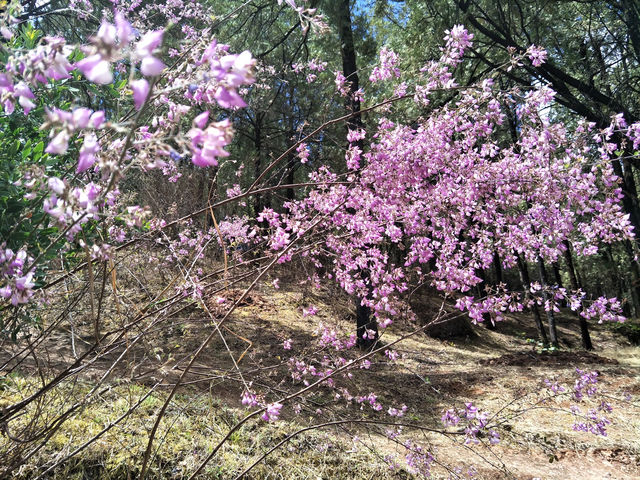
[108,45]
[208,141]
[71,208]
[537,55]
[64,124]
[190,243]
[476,422]
[387,68]
[48,61]
[303,152]
[237,231]
[16,283]
[20,90]
[585,392]
[341,84]
[271,412]
[227,73]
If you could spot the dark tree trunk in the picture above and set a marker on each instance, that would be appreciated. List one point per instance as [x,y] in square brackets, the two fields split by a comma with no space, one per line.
[526,283]
[631,11]
[635,274]
[481,292]
[551,318]
[349,66]
[291,193]
[557,275]
[365,324]
[624,170]
[257,164]
[575,285]
[617,279]
[291,171]
[497,265]
[350,71]
[293,160]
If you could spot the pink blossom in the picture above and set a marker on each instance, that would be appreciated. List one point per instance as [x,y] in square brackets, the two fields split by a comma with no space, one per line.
[356,135]
[96,69]
[238,69]
[56,185]
[201,120]
[26,104]
[87,153]
[81,117]
[59,144]
[249,399]
[303,152]
[97,119]
[208,144]
[291,3]
[123,28]
[309,311]
[387,68]
[272,412]
[341,83]
[234,191]
[6,33]
[228,98]
[140,92]
[148,43]
[537,55]
[59,68]
[107,33]
[391,354]
[9,106]
[21,89]
[151,66]
[279,239]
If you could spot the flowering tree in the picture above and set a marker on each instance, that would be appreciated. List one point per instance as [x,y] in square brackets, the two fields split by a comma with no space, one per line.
[449,190]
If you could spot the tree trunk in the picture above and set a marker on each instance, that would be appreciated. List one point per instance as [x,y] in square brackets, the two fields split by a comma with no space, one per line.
[575,286]
[497,265]
[350,71]
[365,325]
[291,193]
[617,279]
[551,318]
[635,274]
[481,291]
[257,164]
[349,66]
[526,284]
[557,275]
[631,12]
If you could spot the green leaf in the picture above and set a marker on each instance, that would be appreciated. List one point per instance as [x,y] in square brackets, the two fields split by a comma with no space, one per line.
[37,151]
[13,149]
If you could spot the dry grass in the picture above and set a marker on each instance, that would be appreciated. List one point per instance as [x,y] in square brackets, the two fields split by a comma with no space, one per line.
[492,369]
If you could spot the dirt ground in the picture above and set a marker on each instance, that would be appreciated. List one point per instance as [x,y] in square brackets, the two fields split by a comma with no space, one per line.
[500,370]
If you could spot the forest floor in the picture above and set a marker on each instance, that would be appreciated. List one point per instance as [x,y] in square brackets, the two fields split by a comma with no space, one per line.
[500,370]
